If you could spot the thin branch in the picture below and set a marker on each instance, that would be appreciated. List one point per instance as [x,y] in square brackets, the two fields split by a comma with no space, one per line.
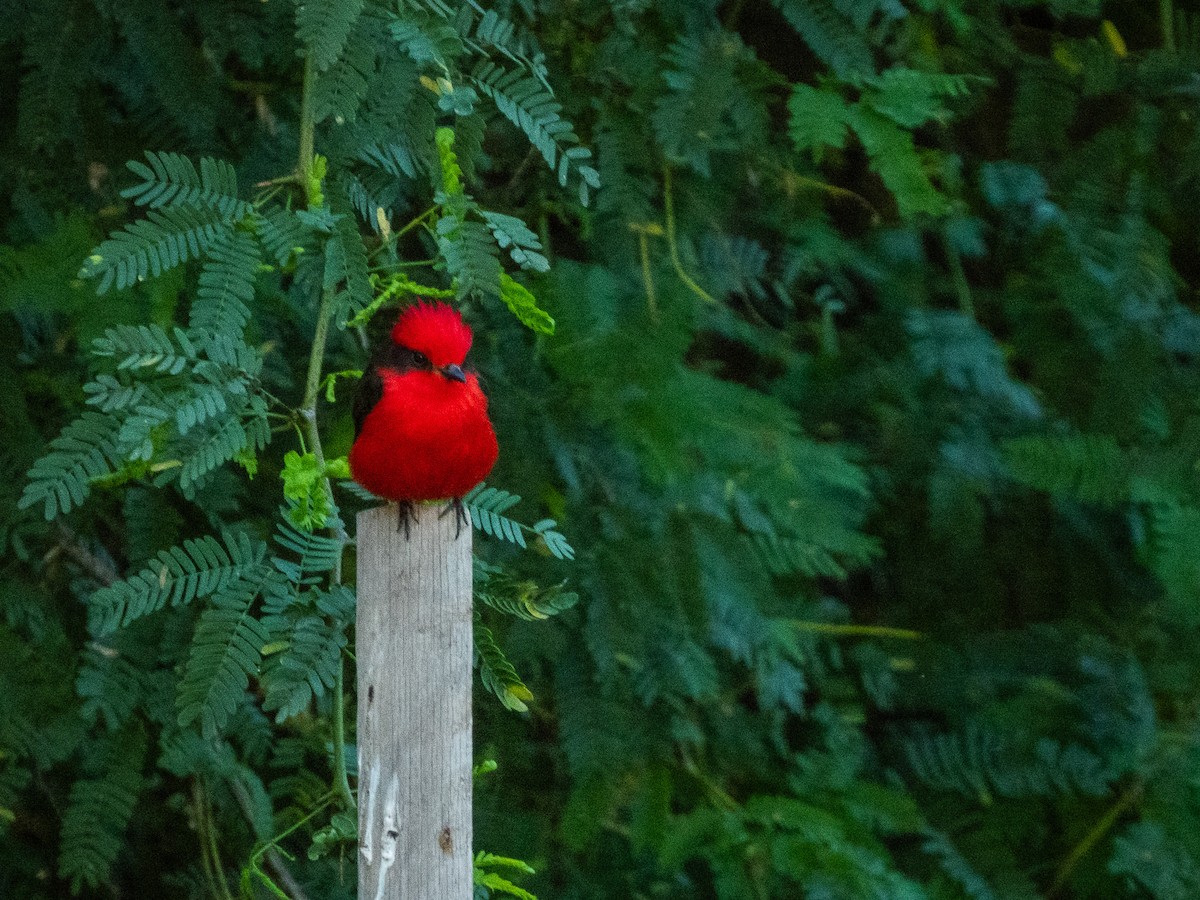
[877,631]
[673,247]
[275,860]
[307,123]
[70,544]
[1128,799]
[308,415]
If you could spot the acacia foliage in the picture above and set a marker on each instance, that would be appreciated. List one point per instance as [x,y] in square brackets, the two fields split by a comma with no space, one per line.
[858,363]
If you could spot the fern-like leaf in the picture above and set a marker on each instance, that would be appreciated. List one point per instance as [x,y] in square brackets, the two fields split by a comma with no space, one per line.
[1174,552]
[226,287]
[515,236]
[226,651]
[220,445]
[340,90]
[196,568]
[487,506]
[304,667]
[86,449]
[791,556]
[977,762]
[110,686]
[172,180]
[147,346]
[284,234]
[323,26]
[346,264]
[831,35]
[470,254]
[497,672]
[899,164]
[817,118]
[523,599]
[109,394]
[1087,467]
[318,552]
[99,809]
[910,98]
[526,102]
[522,304]
[166,238]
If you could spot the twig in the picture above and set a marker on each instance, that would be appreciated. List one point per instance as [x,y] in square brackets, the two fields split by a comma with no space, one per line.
[275,861]
[1131,796]
[69,543]
[672,247]
[308,415]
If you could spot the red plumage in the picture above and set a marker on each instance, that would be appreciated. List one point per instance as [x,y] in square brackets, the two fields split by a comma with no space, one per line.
[424,431]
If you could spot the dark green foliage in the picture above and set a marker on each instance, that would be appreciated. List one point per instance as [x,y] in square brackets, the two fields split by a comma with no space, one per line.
[171,179]
[99,809]
[148,247]
[323,26]
[858,366]
[197,568]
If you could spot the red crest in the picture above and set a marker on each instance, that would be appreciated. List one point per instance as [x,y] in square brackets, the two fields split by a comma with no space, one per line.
[435,329]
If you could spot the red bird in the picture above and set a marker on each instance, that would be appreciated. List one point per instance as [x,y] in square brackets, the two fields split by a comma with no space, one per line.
[421,425]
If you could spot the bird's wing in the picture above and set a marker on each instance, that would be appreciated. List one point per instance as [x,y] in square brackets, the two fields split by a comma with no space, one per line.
[370,391]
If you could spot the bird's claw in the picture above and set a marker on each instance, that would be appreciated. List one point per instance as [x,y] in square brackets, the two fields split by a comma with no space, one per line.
[461,516]
[406,517]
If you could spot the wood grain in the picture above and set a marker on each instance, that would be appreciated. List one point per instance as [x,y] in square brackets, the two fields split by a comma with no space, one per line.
[414,649]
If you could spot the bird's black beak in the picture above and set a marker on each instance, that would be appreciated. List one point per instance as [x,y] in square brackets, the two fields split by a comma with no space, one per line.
[454,373]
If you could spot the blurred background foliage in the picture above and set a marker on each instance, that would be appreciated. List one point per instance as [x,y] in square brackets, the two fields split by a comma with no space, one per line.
[870,410]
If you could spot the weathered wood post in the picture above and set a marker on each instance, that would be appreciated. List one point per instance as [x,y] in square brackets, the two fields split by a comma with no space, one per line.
[414,708]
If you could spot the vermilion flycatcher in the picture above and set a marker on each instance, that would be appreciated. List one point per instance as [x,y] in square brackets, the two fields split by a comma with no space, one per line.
[421,424]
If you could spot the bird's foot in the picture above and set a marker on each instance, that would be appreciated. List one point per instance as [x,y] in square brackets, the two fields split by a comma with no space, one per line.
[406,517]
[461,516]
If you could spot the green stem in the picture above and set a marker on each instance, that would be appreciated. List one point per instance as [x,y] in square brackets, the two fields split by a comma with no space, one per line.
[208,829]
[878,631]
[647,275]
[672,247]
[1128,799]
[308,413]
[962,287]
[415,222]
[201,826]
[273,844]
[389,267]
[341,782]
[1166,15]
[307,125]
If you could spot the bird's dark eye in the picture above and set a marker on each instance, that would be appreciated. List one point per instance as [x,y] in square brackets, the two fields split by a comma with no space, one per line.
[420,359]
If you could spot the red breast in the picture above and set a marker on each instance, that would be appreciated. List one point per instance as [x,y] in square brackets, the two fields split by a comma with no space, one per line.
[426,439]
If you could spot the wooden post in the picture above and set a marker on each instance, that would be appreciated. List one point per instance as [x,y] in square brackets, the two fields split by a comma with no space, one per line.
[414,650]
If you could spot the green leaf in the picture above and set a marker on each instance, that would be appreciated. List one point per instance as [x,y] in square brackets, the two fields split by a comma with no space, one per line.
[817,118]
[514,236]
[166,238]
[98,811]
[172,180]
[522,304]
[304,487]
[86,449]
[225,654]
[896,159]
[832,37]
[911,98]
[195,569]
[323,27]
[497,672]
[497,883]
